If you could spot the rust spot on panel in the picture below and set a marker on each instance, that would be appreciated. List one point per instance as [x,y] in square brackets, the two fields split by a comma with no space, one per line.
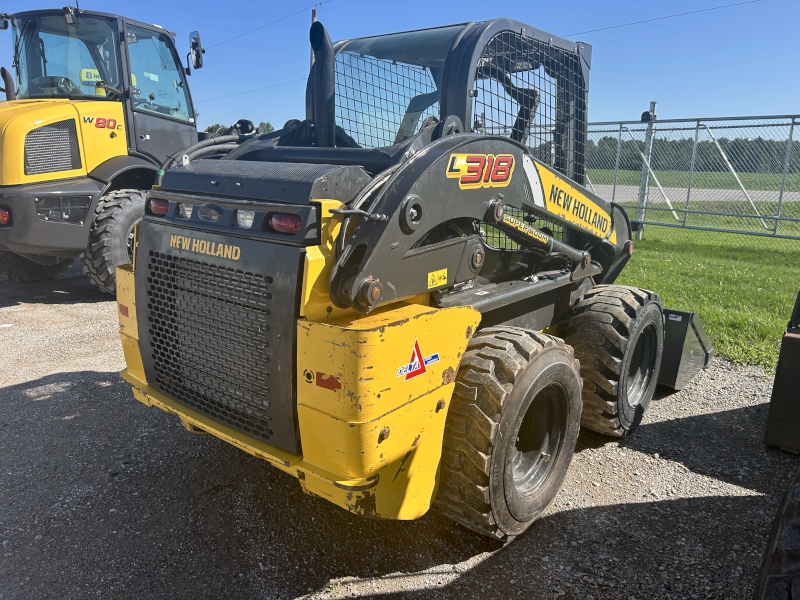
[414,443]
[365,504]
[329,382]
[469,331]
[449,376]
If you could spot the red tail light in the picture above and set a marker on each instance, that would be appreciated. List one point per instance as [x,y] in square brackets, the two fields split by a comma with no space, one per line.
[286,223]
[159,207]
[5,216]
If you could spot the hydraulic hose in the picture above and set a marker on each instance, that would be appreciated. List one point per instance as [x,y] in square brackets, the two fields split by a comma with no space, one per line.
[191,150]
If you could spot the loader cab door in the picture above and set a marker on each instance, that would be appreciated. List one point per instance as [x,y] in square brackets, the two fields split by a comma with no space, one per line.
[163,114]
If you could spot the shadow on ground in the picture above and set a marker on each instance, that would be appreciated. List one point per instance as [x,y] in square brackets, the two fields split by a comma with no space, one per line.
[70,287]
[102,496]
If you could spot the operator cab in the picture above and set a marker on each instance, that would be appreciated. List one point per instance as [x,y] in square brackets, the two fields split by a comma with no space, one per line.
[76,55]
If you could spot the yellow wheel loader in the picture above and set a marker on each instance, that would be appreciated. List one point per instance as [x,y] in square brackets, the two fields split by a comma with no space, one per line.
[98,102]
[407,298]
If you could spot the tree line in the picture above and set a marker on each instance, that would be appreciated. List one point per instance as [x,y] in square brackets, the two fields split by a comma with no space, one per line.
[756,155]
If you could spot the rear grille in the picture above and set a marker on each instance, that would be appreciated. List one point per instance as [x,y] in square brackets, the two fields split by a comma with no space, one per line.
[63,209]
[52,148]
[209,329]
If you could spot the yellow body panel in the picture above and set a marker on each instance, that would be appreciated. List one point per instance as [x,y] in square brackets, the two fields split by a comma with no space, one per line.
[371,419]
[97,144]
[363,412]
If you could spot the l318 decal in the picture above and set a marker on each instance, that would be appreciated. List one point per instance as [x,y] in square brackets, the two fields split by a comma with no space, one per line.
[480,170]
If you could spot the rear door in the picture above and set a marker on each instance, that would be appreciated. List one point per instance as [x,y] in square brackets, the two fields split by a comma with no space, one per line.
[163,114]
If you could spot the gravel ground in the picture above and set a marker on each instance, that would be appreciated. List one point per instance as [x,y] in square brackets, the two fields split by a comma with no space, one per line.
[102,497]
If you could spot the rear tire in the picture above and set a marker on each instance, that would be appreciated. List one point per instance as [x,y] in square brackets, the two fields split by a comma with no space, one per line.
[510,432]
[618,336]
[111,238]
[23,270]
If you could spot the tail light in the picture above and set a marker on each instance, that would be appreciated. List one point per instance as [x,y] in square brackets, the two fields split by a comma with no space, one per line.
[5,216]
[159,207]
[289,223]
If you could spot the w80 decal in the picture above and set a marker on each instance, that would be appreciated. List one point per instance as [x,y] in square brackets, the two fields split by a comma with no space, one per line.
[481,170]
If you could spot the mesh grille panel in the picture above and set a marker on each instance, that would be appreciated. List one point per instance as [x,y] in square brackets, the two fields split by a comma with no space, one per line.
[533,93]
[210,342]
[63,209]
[52,148]
[374,99]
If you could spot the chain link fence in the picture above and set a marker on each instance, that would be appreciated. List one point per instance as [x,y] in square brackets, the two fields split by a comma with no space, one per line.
[704,176]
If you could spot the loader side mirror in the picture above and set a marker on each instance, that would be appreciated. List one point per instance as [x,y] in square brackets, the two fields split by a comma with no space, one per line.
[3,21]
[196,50]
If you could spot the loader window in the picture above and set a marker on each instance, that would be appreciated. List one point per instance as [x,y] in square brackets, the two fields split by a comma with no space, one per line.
[533,93]
[57,60]
[158,82]
[386,86]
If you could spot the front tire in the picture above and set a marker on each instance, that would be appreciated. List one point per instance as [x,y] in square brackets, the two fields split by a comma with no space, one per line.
[510,432]
[111,238]
[618,335]
[23,270]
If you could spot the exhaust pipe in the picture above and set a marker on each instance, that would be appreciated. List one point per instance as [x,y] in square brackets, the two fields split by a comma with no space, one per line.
[322,104]
[8,82]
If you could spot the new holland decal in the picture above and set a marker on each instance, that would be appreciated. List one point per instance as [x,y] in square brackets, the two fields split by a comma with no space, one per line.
[480,170]
[182,242]
[417,365]
[567,202]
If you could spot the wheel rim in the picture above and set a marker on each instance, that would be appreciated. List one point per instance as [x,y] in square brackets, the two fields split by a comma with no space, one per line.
[640,369]
[538,439]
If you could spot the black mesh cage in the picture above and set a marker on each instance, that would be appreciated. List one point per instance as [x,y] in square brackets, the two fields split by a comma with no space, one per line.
[373,95]
[534,93]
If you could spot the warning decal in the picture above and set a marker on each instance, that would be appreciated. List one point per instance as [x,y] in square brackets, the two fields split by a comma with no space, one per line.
[416,364]
[437,278]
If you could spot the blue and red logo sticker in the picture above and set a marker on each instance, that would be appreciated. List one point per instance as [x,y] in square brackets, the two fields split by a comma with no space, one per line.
[417,365]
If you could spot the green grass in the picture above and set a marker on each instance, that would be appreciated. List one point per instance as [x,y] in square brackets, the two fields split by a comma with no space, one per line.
[701,179]
[743,287]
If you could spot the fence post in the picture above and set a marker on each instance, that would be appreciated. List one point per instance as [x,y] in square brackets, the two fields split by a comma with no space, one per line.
[783,177]
[616,164]
[644,182]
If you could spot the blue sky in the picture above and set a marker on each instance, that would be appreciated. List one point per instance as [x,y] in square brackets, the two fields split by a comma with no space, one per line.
[742,60]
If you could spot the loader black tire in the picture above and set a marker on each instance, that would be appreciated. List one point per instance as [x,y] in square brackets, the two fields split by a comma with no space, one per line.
[510,432]
[111,237]
[23,270]
[618,335]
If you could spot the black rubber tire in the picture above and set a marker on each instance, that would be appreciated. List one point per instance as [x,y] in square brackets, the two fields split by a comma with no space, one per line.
[109,241]
[20,269]
[511,430]
[618,336]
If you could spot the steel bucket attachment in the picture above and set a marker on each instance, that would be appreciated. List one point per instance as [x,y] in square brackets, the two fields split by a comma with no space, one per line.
[687,348]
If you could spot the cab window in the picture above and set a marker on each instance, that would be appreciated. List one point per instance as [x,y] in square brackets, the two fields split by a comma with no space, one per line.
[158,84]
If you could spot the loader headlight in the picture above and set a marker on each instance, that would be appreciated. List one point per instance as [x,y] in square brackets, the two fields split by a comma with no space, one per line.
[245,218]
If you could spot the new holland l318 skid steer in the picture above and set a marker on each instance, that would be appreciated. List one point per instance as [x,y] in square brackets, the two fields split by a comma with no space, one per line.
[407,298]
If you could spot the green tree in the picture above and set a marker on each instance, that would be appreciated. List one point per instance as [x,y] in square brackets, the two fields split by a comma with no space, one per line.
[266,127]
[215,128]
